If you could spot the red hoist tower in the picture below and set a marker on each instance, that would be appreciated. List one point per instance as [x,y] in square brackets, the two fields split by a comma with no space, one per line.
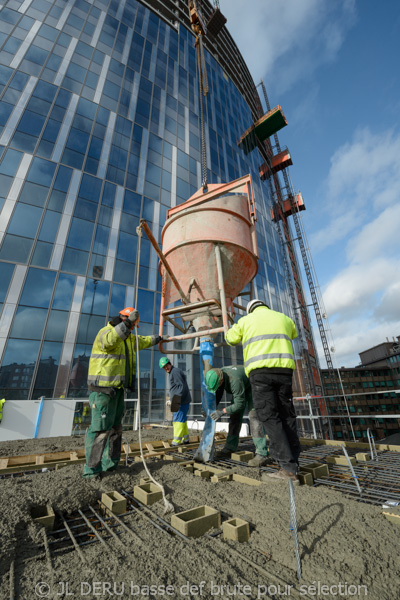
[285,204]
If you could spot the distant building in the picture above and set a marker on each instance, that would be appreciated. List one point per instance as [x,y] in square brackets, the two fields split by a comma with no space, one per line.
[363,385]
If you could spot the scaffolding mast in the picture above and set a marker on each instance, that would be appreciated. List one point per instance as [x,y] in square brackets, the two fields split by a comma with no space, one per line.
[310,279]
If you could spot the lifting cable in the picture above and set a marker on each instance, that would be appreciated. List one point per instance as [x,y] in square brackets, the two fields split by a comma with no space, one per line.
[168,506]
[203,85]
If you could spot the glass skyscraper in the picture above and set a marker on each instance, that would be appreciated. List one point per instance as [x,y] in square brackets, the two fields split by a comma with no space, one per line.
[99,127]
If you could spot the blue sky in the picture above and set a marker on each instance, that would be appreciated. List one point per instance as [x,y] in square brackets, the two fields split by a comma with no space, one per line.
[334,67]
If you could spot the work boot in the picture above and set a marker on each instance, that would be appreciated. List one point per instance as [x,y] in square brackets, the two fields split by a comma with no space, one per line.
[224,453]
[260,461]
[281,475]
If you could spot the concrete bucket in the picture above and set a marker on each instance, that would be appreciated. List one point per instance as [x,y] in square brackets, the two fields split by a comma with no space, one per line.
[209,243]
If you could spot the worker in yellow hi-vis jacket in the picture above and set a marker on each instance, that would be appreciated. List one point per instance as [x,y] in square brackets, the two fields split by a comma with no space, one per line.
[112,369]
[1,408]
[266,337]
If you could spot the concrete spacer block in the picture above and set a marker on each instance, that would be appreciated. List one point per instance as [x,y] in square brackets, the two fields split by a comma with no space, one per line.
[357,445]
[144,480]
[114,502]
[189,468]
[236,529]
[223,476]
[43,515]
[196,521]
[203,474]
[246,480]
[242,456]
[316,469]
[147,493]
[392,514]
[340,460]
[363,456]
[305,478]
[393,448]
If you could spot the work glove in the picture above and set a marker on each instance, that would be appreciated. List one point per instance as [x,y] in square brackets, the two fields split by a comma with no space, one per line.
[217,414]
[132,318]
[160,338]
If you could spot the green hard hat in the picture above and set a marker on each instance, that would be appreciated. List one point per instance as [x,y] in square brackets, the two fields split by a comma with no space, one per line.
[163,361]
[212,381]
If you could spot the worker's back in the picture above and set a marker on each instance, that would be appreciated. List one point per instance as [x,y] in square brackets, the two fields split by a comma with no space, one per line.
[266,338]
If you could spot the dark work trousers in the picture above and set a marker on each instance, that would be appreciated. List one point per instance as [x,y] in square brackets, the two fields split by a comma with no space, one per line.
[103,439]
[272,399]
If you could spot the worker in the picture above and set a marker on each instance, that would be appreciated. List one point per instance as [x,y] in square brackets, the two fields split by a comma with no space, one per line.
[266,336]
[1,408]
[180,400]
[112,369]
[233,380]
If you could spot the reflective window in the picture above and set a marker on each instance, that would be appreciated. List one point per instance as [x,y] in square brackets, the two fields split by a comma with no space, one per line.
[117,302]
[25,220]
[57,200]
[89,326]
[95,300]
[17,368]
[132,203]
[80,234]
[64,292]
[79,372]
[38,288]
[41,255]
[124,272]
[6,272]
[56,325]
[101,240]
[127,246]
[10,163]
[48,230]
[47,370]
[34,194]
[90,188]
[75,261]
[29,323]
[16,249]
[85,209]
[146,306]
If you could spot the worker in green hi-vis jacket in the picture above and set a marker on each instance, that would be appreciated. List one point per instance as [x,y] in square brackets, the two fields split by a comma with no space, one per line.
[233,380]
[1,408]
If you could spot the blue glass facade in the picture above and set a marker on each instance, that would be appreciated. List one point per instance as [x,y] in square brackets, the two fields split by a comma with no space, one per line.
[99,127]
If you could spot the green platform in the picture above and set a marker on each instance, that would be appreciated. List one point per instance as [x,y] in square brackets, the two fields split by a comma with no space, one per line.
[270,123]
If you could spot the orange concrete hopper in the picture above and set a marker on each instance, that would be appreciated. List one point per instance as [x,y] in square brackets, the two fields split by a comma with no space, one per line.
[209,246]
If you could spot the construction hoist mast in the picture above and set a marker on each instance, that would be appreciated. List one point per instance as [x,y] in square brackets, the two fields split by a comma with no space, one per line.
[294,210]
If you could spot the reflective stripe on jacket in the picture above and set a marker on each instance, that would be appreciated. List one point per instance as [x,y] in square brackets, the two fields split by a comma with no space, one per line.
[111,349]
[266,338]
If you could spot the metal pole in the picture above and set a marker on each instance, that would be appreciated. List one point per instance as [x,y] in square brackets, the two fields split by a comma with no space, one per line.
[308,397]
[221,286]
[163,260]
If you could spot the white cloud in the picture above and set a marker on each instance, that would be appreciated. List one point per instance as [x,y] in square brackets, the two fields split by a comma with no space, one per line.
[363,208]
[287,41]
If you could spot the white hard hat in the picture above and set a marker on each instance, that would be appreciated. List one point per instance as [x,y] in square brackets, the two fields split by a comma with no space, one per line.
[254,304]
